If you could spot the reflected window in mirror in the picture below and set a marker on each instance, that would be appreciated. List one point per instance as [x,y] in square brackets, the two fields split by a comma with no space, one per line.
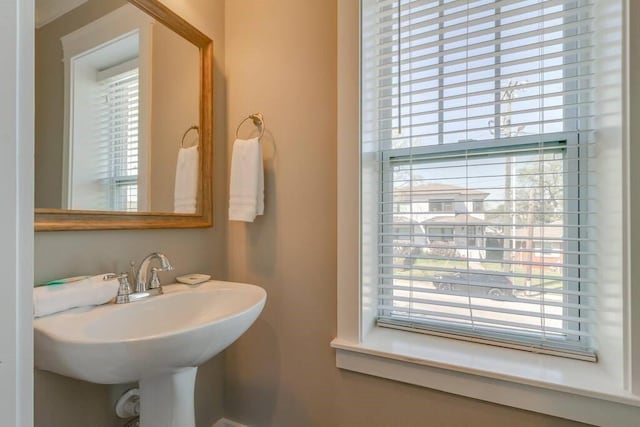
[105,144]
[106,131]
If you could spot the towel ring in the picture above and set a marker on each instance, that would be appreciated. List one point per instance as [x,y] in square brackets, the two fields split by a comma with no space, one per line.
[258,121]
[194,127]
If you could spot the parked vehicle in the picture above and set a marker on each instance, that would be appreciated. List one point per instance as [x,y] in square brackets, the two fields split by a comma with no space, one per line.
[474,282]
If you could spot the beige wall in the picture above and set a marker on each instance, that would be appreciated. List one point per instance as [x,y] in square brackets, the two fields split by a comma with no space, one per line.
[281,61]
[175,107]
[65,402]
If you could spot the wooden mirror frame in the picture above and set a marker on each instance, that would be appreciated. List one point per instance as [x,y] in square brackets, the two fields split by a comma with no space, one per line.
[60,219]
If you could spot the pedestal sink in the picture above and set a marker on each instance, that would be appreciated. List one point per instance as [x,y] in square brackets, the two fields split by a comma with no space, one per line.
[158,342]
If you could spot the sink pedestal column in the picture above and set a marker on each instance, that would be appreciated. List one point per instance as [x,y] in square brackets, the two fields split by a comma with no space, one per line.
[167,400]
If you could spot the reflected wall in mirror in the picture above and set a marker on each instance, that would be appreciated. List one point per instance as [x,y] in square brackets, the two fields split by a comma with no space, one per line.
[123,116]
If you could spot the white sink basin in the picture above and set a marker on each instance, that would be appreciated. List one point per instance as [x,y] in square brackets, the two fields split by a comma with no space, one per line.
[158,341]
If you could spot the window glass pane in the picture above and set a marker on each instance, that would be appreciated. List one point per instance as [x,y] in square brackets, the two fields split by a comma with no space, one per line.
[491,268]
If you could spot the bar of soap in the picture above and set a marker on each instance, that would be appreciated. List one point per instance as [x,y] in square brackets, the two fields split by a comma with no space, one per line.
[193,279]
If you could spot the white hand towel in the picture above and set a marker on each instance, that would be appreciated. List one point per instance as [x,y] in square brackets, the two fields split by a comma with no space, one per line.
[186,186]
[92,291]
[246,189]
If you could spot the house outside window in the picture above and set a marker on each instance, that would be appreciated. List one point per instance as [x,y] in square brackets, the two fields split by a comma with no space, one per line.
[440,234]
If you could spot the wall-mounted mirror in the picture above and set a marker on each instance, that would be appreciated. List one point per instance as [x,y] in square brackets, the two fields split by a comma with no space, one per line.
[123,126]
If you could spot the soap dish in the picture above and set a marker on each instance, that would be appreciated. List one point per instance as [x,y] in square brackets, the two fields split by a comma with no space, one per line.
[193,279]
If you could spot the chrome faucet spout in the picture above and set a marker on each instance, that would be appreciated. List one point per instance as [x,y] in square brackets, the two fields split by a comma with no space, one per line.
[142,284]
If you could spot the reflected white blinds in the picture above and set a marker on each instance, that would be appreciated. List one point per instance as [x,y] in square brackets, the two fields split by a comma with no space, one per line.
[118,129]
[479,113]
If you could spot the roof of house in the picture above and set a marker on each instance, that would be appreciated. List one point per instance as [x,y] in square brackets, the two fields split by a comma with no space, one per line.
[458,219]
[438,188]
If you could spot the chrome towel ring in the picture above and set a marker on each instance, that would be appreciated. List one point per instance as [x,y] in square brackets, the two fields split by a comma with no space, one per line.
[258,121]
[194,127]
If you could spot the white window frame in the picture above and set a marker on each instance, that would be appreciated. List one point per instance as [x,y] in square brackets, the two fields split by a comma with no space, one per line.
[602,393]
[117,24]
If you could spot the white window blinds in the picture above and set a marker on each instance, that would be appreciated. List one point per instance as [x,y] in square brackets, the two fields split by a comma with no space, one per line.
[477,114]
[117,119]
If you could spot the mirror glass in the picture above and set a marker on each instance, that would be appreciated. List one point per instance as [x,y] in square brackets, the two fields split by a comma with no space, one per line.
[117,99]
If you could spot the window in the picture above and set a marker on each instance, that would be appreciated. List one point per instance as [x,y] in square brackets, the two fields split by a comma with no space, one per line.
[472,237]
[440,234]
[485,105]
[441,205]
[606,392]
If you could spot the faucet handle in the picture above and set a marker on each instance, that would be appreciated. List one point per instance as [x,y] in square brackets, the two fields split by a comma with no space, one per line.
[124,290]
[155,281]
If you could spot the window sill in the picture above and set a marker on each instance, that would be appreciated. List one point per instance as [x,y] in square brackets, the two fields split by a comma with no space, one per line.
[581,391]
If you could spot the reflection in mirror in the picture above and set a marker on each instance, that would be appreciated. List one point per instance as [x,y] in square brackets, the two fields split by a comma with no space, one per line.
[115,93]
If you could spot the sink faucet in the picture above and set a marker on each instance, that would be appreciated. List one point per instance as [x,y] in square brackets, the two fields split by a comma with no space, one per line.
[153,285]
